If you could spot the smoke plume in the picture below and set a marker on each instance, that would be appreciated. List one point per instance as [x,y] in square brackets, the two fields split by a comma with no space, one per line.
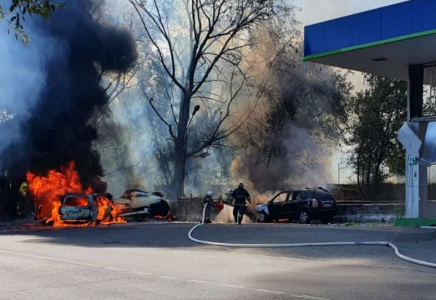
[55,89]
[289,139]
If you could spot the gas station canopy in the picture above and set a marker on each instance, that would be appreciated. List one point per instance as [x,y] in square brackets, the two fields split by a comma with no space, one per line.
[382,41]
[397,41]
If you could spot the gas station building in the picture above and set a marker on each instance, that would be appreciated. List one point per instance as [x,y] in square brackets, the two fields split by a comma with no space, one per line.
[396,41]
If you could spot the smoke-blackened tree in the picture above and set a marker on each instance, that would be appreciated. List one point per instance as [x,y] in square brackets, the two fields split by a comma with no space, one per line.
[20,8]
[201,57]
[376,115]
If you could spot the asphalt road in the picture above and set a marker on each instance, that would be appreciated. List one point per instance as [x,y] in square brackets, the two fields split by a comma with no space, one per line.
[157,261]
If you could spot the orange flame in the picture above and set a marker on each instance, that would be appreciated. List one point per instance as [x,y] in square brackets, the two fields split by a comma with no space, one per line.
[106,212]
[47,192]
[169,217]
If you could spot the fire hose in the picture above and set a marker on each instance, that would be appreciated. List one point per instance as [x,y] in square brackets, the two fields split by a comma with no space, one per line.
[292,245]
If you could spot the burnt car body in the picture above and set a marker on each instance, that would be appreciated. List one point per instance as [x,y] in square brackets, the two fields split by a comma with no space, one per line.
[138,204]
[303,205]
[81,208]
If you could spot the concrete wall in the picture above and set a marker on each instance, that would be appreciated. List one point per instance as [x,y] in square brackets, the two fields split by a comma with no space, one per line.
[380,212]
[427,209]
[190,210]
[348,192]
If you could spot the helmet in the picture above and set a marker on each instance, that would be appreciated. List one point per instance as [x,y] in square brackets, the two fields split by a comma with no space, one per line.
[229,191]
[210,193]
[241,185]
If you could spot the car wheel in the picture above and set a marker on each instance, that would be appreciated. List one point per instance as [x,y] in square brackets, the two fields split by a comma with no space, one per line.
[304,217]
[262,218]
[327,220]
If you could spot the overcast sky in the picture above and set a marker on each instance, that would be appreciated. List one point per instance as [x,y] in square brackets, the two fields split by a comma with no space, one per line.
[315,11]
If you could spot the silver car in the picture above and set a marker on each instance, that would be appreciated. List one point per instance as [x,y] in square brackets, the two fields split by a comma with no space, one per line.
[139,204]
[83,208]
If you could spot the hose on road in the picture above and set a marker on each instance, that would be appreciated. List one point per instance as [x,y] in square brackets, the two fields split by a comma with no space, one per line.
[291,245]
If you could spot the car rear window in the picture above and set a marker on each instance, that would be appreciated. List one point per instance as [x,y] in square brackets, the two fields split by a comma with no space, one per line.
[76,201]
[322,196]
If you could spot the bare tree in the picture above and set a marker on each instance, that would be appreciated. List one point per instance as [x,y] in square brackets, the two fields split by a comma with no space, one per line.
[218,32]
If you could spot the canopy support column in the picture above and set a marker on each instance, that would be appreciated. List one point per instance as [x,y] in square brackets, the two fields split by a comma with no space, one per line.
[416,174]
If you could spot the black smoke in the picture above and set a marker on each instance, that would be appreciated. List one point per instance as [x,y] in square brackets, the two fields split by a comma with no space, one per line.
[57,130]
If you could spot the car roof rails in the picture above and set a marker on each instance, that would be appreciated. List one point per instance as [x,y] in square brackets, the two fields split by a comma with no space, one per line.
[323,189]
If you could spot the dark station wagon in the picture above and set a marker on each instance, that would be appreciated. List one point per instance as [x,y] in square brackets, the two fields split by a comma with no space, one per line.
[302,205]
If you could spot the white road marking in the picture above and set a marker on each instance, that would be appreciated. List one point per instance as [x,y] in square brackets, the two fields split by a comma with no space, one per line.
[137,272]
[305,297]
[168,277]
[54,259]
[233,286]
[198,281]
[269,291]
[220,284]
[309,297]
[75,263]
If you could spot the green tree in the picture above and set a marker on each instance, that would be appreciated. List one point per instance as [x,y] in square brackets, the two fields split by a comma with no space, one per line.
[376,115]
[18,10]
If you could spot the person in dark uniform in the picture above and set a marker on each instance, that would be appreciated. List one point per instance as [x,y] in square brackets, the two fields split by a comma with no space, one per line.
[5,194]
[240,195]
[208,202]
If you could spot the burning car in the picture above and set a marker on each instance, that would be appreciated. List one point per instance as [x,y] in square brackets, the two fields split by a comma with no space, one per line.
[60,199]
[86,208]
[138,204]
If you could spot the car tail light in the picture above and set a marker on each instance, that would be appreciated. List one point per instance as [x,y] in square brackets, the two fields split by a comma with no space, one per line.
[314,203]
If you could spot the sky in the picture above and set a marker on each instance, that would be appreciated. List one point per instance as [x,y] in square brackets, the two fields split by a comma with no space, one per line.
[315,11]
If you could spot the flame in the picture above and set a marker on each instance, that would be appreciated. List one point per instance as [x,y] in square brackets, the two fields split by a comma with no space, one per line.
[106,212]
[77,201]
[55,216]
[169,217]
[47,192]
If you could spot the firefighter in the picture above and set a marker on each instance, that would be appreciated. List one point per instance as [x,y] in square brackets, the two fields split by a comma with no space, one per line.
[208,202]
[23,206]
[240,195]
